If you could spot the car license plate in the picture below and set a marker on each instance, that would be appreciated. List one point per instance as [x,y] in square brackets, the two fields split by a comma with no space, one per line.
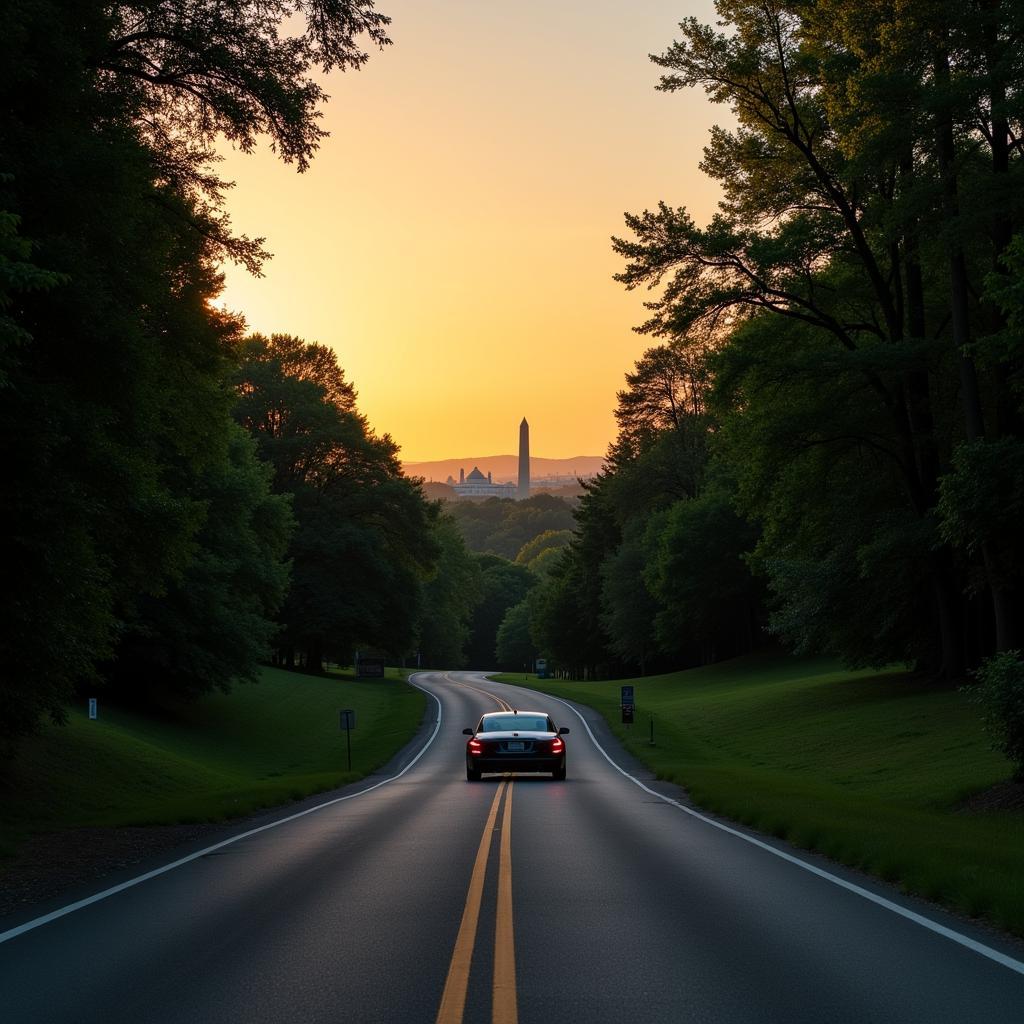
[516,746]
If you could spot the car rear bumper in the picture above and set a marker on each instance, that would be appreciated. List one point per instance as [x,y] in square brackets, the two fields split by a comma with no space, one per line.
[516,764]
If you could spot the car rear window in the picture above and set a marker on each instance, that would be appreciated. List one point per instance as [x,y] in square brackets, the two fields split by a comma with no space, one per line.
[515,723]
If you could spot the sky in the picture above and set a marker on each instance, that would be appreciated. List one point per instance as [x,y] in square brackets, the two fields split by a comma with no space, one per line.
[451,240]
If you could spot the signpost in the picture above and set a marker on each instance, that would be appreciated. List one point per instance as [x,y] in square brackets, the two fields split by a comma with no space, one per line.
[370,668]
[93,708]
[348,723]
[628,704]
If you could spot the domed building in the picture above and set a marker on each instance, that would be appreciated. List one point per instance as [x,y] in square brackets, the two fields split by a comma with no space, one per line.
[478,486]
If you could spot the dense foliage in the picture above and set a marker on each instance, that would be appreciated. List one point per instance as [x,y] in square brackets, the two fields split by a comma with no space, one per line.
[147,539]
[363,540]
[999,690]
[500,526]
[449,598]
[833,410]
[503,585]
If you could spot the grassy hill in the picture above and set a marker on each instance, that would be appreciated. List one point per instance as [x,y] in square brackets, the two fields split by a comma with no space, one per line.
[224,756]
[869,768]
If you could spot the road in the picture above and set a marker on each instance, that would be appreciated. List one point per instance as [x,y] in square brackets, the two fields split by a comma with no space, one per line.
[432,899]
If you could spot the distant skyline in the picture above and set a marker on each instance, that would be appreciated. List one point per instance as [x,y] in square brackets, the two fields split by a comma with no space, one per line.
[505,466]
[451,239]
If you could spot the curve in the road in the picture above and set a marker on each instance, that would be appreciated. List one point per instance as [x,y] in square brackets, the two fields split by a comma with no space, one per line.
[623,909]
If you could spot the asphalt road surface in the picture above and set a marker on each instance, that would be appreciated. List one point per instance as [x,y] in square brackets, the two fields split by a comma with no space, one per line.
[430,898]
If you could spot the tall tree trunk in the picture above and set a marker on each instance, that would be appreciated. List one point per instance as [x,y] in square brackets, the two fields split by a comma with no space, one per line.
[946,593]
[974,422]
[315,655]
[945,151]
[917,383]
[1008,417]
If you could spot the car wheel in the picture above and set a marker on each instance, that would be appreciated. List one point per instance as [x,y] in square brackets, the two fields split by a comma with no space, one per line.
[471,773]
[559,773]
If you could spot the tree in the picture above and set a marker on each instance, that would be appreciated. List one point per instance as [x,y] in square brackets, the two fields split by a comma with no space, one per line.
[628,610]
[189,72]
[660,452]
[364,539]
[514,645]
[848,563]
[502,585]
[501,527]
[214,624]
[449,598]
[565,619]
[999,691]
[116,428]
[696,570]
[38,673]
[854,136]
[663,395]
[547,541]
[115,405]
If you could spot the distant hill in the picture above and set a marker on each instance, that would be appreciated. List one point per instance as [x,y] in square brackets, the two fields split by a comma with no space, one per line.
[505,467]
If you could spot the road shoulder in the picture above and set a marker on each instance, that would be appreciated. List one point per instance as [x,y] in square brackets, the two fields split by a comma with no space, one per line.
[53,869]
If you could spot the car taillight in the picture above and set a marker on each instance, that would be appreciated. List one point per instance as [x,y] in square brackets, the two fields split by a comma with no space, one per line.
[557,746]
[476,747]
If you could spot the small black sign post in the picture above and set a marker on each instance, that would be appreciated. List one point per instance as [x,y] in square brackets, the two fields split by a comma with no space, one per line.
[348,723]
[628,704]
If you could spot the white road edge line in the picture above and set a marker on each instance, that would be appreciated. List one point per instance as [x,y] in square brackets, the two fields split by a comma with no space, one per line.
[38,922]
[977,947]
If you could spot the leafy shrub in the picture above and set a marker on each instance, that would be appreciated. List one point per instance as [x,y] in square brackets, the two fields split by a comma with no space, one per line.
[999,692]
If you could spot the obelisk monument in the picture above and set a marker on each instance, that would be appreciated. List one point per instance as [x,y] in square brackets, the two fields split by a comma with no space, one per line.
[524,461]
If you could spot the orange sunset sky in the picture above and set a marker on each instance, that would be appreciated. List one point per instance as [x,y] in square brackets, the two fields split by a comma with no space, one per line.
[451,239]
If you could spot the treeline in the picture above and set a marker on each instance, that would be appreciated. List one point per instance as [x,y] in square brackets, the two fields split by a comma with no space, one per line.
[494,554]
[827,441]
[500,526]
[469,599]
[181,500]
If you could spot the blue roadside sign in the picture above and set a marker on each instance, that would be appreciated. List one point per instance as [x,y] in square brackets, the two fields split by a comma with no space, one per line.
[628,705]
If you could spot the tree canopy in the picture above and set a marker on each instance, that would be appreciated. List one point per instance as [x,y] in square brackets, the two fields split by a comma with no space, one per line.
[364,539]
[500,526]
[145,542]
[833,402]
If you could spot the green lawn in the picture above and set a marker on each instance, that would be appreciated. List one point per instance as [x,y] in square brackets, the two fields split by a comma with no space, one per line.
[869,768]
[261,745]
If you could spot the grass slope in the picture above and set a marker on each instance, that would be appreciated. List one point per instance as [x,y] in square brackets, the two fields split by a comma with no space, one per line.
[868,768]
[223,756]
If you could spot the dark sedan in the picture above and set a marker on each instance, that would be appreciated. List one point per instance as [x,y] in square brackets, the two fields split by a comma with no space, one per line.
[515,741]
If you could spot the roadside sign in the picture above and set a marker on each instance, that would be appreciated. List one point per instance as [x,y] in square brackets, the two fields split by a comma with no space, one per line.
[627,695]
[93,708]
[348,723]
[370,668]
[541,667]
[627,714]
[628,704]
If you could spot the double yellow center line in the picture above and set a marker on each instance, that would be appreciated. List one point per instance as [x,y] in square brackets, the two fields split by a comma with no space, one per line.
[503,1000]
[500,701]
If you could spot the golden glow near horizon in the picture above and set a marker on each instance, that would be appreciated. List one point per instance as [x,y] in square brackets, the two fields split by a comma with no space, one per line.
[451,239]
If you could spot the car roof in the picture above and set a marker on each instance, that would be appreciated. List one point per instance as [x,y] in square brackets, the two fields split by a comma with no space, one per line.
[518,711]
